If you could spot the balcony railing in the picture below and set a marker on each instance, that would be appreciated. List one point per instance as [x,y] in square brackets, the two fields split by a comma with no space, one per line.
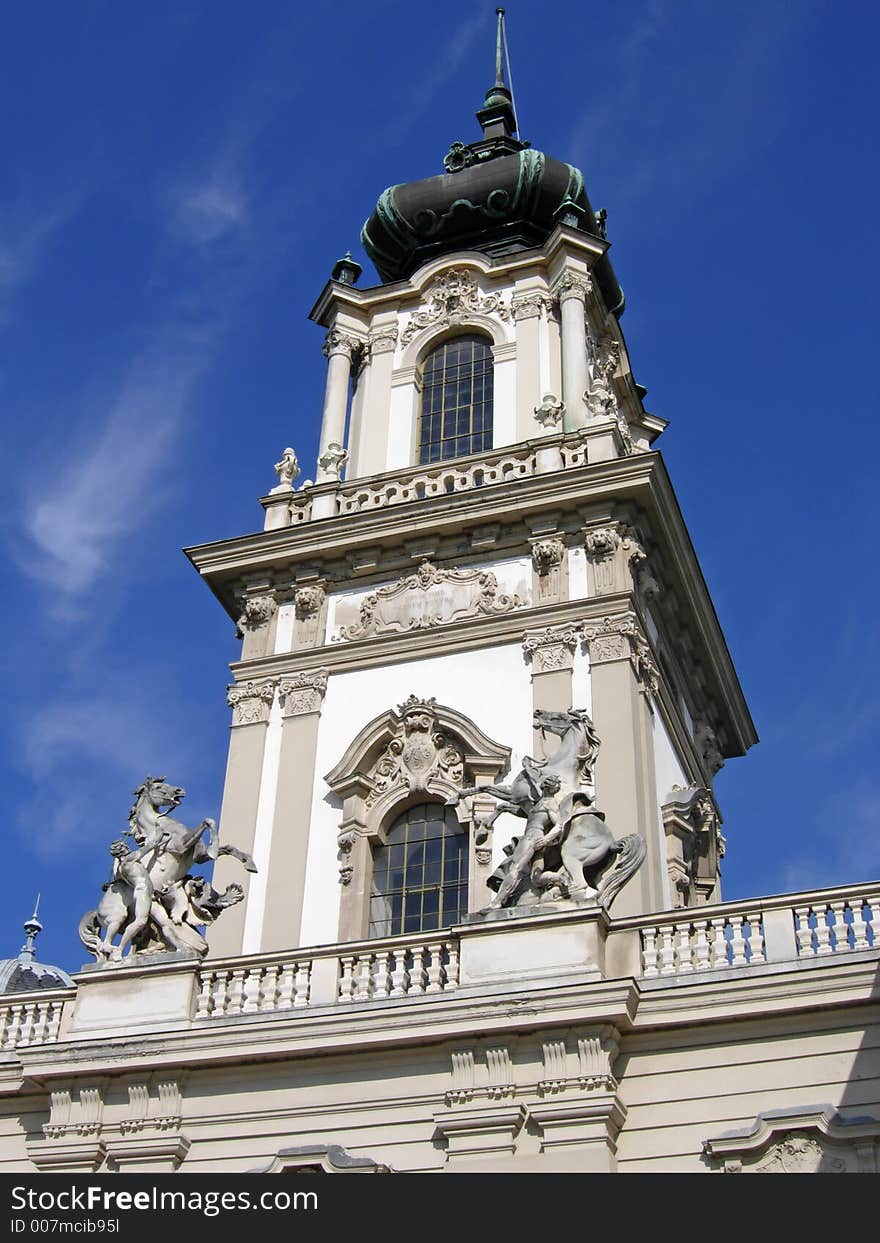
[418,483]
[729,938]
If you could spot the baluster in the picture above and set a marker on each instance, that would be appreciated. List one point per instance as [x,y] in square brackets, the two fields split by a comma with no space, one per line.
[719,942]
[737,942]
[400,975]
[667,950]
[650,959]
[235,993]
[702,948]
[42,1021]
[205,1003]
[452,966]
[365,977]
[221,992]
[286,986]
[382,982]
[840,931]
[417,973]
[5,1018]
[683,947]
[303,984]
[756,939]
[872,912]
[54,1021]
[15,1026]
[803,932]
[435,970]
[858,925]
[346,983]
[823,931]
[271,991]
[250,990]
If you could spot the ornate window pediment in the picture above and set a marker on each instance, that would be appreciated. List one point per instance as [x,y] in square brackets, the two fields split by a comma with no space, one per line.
[423,747]
[810,1140]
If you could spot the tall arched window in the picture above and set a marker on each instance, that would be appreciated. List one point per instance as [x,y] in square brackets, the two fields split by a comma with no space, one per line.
[420,873]
[457,385]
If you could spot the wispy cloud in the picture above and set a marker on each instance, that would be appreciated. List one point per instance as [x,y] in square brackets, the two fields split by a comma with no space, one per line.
[113,481]
[204,213]
[26,232]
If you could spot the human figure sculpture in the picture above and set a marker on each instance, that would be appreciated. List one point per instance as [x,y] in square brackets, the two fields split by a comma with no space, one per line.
[542,830]
[287,469]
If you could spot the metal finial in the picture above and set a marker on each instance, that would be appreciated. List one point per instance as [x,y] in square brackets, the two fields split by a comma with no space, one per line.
[32,928]
[499,50]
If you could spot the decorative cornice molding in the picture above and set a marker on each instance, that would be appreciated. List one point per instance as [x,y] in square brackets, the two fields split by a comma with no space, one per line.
[452,296]
[250,702]
[302,693]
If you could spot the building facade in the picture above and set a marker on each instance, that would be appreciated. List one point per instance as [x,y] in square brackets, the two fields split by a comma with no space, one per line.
[481,701]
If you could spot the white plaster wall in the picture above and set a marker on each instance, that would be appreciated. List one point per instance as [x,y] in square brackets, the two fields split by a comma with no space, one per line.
[668,772]
[581,686]
[578,585]
[401,427]
[492,686]
[514,577]
[504,404]
[256,899]
[284,628]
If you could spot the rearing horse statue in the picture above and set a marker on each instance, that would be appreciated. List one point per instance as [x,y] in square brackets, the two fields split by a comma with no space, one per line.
[167,851]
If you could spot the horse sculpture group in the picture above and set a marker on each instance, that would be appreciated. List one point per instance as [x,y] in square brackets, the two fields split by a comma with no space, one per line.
[567,850]
[153,902]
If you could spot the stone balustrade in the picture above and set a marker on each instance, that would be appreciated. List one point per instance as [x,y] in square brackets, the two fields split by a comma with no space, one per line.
[541,456]
[729,937]
[772,930]
[27,1019]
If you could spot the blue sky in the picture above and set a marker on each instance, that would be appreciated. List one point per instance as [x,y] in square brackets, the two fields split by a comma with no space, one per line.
[178,180]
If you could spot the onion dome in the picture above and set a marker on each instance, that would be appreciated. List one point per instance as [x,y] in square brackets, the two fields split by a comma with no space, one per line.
[24,974]
[498,195]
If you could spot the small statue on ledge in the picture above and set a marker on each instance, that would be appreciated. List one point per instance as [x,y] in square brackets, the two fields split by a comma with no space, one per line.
[287,471]
[153,902]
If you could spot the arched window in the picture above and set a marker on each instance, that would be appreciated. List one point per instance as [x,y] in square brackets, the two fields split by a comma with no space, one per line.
[457,385]
[420,873]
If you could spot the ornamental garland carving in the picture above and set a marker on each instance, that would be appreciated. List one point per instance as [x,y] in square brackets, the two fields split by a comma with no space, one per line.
[250,702]
[453,296]
[420,750]
[302,692]
[617,637]
[430,597]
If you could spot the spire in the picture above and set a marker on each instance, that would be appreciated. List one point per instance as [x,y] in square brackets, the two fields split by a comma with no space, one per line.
[496,115]
[32,929]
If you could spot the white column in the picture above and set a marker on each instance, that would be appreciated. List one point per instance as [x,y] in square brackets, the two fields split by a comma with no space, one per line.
[572,292]
[339,348]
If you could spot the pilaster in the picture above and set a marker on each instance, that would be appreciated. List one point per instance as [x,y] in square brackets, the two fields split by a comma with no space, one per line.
[250,703]
[622,678]
[301,695]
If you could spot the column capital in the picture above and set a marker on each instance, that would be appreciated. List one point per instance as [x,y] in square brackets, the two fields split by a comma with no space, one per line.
[339,342]
[383,340]
[621,638]
[530,304]
[250,702]
[551,649]
[302,693]
[578,285]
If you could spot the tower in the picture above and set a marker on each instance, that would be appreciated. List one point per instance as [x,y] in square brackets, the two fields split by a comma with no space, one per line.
[489,533]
